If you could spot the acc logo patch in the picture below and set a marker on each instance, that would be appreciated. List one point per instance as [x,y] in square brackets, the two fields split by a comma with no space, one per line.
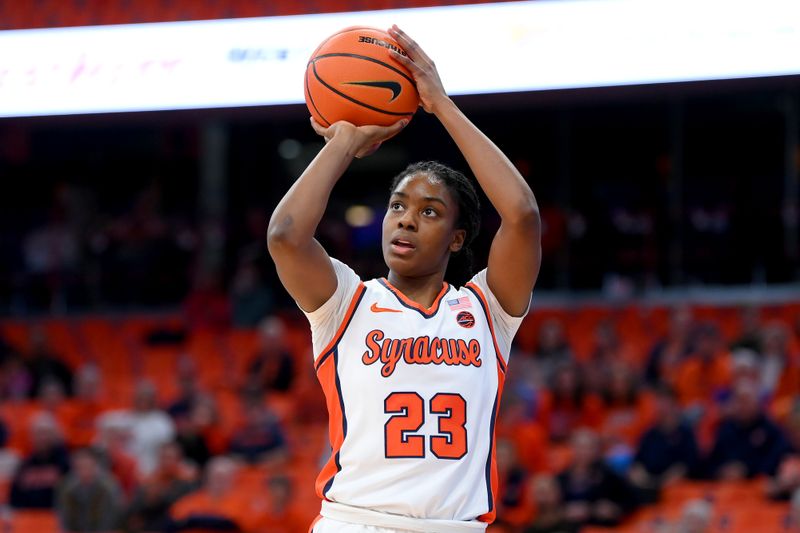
[465,319]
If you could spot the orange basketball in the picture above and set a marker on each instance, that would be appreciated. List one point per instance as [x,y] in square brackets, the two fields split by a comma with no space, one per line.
[352,76]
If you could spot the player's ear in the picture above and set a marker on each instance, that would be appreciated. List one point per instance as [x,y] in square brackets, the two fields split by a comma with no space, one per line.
[457,242]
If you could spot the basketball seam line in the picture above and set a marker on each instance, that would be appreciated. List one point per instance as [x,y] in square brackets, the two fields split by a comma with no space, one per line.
[367,58]
[311,99]
[346,97]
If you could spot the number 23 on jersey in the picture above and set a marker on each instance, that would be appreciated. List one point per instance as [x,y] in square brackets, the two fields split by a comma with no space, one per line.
[408,410]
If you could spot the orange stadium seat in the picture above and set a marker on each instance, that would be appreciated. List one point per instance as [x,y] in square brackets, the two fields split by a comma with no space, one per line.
[61,335]
[755,515]
[241,346]
[686,490]
[34,522]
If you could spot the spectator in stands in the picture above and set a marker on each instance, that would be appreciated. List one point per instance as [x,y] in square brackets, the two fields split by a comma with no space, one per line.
[51,253]
[85,408]
[251,298]
[629,409]
[606,352]
[552,349]
[216,506]
[705,375]
[750,329]
[787,479]
[513,505]
[112,444]
[281,514]
[272,366]
[173,478]
[15,379]
[747,442]
[260,438]
[89,499]
[148,426]
[190,440]
[43,364]
[51,399]
[695,517]
[189,389]
[779,369]
[37,477]
[744,367]
[550,514]
[668,352]
[200,434]
[568,405]
[668,450]
[593,493]
[516,423]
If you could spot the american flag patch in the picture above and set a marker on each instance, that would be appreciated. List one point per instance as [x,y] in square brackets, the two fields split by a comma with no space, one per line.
[459,303]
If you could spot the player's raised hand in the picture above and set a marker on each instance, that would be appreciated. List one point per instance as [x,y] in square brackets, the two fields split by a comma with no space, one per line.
[429,85]
[363,140]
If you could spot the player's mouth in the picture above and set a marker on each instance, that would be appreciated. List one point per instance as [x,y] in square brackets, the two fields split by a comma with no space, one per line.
[402,246]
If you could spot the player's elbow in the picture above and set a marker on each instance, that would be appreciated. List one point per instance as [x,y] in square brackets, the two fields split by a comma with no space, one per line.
[280,235]
[526,216]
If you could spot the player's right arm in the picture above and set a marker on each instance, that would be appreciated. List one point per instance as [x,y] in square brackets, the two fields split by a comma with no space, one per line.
[302,263]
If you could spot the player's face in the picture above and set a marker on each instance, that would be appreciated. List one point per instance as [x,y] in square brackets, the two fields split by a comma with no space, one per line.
[419,227]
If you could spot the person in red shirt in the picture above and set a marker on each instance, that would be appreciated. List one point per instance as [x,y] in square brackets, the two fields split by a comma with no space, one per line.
[280,514]
[173,478]
[81,412]
[568,405]
[705,375]
[216,506]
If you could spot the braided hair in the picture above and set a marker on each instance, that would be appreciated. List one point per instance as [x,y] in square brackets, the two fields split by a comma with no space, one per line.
[459,267]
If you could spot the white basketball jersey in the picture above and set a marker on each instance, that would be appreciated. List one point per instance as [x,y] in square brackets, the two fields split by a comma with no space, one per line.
[412,396]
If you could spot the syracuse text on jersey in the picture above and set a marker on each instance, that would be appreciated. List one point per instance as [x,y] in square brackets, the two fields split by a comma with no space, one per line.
[419,351]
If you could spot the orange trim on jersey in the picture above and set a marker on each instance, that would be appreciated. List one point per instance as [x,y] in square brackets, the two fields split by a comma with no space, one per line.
[343,326]
[406,301]
[314,523]
[490,516]
[337,423]
[485,304]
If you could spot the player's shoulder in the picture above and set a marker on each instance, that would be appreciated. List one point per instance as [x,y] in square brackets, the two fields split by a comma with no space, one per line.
[343,270]
[477,284]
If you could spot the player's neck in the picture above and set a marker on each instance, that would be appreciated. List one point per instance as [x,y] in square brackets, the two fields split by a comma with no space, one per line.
[422,290]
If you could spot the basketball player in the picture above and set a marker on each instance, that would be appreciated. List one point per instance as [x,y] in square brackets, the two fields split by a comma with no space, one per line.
[412,367]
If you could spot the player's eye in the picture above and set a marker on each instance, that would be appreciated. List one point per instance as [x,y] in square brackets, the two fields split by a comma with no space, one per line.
[429,212]
[395,206]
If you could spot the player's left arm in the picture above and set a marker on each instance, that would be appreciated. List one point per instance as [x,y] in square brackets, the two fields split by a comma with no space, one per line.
[516,252]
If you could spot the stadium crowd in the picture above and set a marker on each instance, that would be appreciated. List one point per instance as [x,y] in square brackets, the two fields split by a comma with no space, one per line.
[224,429]
[618,415]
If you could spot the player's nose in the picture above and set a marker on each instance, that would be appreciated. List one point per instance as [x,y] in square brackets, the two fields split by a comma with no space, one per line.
[407,221]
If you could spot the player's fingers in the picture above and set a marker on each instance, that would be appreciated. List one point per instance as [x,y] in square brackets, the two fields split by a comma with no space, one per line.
[406,62]
[409,45]
[318,128]
[381,133]
[395,128]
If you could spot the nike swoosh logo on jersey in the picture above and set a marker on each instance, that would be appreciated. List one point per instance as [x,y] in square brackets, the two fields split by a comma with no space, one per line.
[375,309]
[391,85]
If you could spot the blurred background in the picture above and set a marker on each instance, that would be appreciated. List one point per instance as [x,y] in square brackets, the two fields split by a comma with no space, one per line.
[154,375]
